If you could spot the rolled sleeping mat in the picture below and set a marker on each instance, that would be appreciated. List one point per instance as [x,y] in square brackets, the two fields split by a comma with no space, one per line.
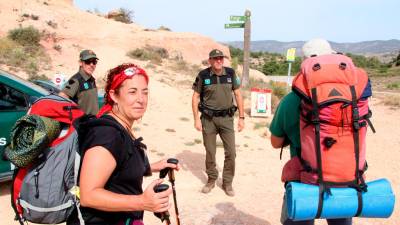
[302,201]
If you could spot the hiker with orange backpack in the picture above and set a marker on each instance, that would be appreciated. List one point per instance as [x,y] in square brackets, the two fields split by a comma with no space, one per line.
[114,159]
[318,109]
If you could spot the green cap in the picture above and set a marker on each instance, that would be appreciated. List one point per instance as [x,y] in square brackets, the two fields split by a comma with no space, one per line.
[216,53]
[87,54]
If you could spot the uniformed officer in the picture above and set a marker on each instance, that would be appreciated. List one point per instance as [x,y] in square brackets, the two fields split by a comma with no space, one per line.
[81,87]
[213,97]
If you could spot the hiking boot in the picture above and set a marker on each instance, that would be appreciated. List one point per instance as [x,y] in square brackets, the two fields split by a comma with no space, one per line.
[228,190]
[208,187]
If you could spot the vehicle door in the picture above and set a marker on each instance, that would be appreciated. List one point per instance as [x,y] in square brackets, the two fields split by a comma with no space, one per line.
[13,105]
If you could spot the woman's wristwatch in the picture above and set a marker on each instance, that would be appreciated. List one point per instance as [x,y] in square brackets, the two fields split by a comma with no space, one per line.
[241,117]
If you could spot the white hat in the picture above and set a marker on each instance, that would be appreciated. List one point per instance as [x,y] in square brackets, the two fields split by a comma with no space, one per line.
[316,47]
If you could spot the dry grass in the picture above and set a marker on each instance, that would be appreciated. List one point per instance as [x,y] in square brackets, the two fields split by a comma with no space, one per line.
[392,100]
[153,53]
[30,59]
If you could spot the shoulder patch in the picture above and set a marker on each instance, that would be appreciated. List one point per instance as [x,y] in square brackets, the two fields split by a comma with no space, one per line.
[237,80]
[71,81]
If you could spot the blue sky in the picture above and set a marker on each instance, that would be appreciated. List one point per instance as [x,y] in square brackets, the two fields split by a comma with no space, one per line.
[290,20]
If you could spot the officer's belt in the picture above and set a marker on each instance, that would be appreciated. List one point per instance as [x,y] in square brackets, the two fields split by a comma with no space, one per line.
[217,113]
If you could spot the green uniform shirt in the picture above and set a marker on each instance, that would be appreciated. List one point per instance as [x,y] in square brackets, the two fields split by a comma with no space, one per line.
[81,88]
[216,90]
[286,121]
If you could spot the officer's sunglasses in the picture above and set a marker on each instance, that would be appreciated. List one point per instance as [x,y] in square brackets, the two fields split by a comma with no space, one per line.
[218,58]
[88,62]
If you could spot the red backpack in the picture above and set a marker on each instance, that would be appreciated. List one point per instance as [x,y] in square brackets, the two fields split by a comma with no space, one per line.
[333,122]
[41,191]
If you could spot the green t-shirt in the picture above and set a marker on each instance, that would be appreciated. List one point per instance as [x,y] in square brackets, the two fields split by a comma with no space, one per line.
[286,121]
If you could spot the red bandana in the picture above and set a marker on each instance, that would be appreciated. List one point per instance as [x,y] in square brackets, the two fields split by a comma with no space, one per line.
[118,80]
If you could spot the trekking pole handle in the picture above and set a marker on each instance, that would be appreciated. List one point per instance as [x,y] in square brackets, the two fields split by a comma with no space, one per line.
[171,173]
[166,170]
[173,161]
[161,188]
[162,215]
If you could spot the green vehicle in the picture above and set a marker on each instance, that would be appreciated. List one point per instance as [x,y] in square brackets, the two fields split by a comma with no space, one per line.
[16,96]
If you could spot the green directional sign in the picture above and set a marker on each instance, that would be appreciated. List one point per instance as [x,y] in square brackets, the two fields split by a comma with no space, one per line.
[238,18]
[234,25]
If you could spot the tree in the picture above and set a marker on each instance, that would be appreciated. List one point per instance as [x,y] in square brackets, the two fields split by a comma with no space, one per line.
[397,60]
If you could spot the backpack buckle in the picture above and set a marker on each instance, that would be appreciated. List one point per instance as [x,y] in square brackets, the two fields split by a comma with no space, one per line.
[342,66]
[316,67]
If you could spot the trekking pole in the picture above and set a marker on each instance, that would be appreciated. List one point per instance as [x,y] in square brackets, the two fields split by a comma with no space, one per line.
[171,177]
[162,215]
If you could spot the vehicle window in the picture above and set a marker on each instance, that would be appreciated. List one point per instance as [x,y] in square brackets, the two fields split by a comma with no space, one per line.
[11,99]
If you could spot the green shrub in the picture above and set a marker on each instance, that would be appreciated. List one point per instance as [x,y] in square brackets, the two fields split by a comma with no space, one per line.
[162,52]
[34,17]
[124,16]
[279,89]
[366,62]
[28,36]
[235,63]
[236,52]
[6,46]
[393,86]
[28,58]
[57,47]
[52,24]
[152,53]
[397,60]
[164,28]
[38,77]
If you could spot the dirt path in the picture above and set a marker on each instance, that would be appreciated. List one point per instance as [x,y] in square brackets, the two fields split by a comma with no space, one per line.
[168,131]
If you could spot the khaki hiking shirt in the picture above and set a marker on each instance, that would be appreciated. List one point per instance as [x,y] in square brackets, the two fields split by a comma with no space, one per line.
[81,88]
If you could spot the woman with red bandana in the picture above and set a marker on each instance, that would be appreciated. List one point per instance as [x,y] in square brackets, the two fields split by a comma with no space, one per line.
[114,159]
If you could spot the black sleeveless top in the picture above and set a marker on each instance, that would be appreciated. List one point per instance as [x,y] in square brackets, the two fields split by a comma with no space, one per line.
[127,178]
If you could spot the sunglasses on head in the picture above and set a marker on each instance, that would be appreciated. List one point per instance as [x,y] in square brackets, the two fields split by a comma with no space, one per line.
[92,61]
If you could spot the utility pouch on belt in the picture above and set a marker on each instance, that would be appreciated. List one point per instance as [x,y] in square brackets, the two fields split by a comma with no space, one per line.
[217,113]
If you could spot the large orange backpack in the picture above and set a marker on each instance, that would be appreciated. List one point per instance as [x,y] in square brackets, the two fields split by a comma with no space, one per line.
[333,122]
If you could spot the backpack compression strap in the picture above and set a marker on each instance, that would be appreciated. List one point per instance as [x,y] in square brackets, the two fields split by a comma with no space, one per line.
[360,183]
[316,122]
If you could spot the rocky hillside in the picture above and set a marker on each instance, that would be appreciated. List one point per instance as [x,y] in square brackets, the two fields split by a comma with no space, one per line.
[67,30]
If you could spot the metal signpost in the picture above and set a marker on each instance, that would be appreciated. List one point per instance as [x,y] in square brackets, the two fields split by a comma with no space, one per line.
[290,57]
[245,23]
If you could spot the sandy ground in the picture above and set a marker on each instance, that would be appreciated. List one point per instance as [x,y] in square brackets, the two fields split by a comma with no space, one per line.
[167,128]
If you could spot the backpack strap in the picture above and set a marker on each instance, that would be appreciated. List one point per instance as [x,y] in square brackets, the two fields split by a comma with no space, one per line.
[18,175]
[316,122]
[360,185]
